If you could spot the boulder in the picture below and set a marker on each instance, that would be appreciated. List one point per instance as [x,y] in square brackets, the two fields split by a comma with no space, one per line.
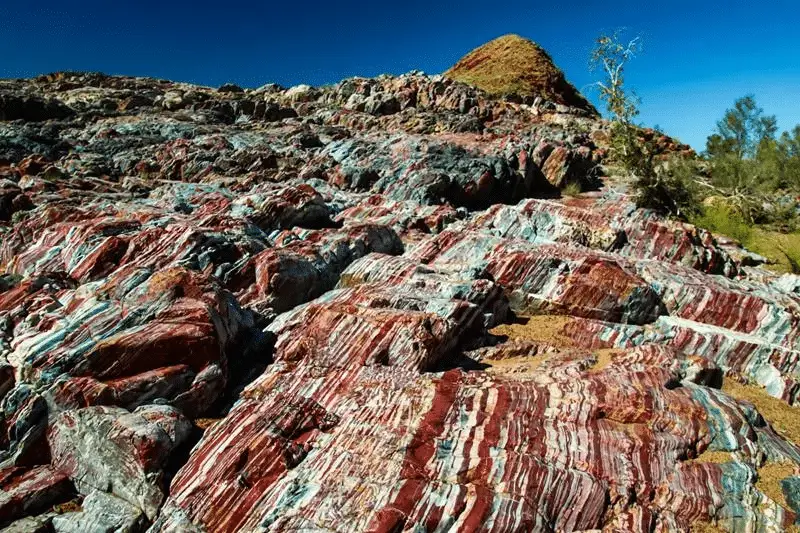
[366,306]
[26,492]
[110,449]
[32,108]
[101,513]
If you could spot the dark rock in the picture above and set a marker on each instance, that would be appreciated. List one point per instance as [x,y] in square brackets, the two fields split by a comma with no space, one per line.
[28,492]
[31,108]
[230,88]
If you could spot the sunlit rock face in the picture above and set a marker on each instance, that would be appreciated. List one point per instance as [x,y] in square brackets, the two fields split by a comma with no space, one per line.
[367,307]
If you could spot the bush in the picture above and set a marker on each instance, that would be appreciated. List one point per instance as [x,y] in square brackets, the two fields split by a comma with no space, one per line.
[782,250]
[572,189]
[668,188]
[790,248]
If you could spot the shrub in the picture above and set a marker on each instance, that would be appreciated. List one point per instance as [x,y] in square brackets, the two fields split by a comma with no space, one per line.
[667,193]
[658,187]
[572,189]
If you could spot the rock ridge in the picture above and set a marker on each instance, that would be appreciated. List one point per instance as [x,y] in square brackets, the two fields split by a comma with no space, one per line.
[369,307]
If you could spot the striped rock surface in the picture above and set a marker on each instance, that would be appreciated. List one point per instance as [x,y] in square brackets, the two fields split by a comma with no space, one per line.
[522,445]
[366,307]
[602,225]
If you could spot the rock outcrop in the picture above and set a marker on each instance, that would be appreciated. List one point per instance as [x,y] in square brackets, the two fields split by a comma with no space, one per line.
[366,307]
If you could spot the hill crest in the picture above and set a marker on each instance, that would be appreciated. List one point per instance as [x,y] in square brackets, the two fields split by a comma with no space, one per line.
[512,64]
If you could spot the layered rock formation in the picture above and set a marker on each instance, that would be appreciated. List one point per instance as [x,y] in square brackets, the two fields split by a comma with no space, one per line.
[366,307]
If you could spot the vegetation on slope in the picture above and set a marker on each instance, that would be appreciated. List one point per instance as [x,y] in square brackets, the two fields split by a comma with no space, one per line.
[754,184]
[513,65]
[745,186]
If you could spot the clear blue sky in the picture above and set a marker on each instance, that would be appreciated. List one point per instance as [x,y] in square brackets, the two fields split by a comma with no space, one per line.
[699,56]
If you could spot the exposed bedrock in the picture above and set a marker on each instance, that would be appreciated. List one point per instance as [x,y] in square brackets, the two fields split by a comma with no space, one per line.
[366,307]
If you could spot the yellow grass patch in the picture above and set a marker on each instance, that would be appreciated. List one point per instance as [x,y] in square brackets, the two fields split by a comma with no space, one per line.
[706,527]
[516,366]
[604,358]
[548,329]
[205,423]
[780,248]
[713,457]
[781,416]
[769,481]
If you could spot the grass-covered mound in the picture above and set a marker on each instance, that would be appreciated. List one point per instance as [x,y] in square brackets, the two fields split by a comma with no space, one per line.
[514,65]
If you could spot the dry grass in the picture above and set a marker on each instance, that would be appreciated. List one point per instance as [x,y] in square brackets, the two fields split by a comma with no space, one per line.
[706,527]
[72,506]
[514,65]
[781,416]
[782,249]
[519,367]
[713,457]
[547,329]
[769,481]
[205,423]
[604,358]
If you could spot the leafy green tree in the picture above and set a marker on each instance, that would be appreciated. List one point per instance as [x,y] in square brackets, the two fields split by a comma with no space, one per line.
[789,147]
[743,148]
[791,142]
[743,128]
[746,155]
[717,146]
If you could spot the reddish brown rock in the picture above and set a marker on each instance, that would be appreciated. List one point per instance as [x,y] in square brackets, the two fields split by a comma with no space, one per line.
[548,278]
[173,347]
[29,492]
[306,264]
[315,272]
[447,435]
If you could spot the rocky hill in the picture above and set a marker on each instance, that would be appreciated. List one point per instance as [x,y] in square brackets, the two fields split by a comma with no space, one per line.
[367,307]
[513,66]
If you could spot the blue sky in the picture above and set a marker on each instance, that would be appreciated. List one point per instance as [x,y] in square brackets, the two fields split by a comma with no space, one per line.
[698,56]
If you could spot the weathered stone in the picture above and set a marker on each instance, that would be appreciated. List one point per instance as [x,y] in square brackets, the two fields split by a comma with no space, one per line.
[112,450]
[461,436]
[563,167]
[29,525]
[24,423]
[136,357]
[230,88]
[101,513]
[31,108]
[28,492]
[306,264]
[548,278]
[310,276]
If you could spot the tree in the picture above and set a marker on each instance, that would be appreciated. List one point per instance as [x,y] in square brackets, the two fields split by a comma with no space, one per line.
[718,146]
[791,142]
[611,55]
[742,130]
[744,151]
[655,186]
